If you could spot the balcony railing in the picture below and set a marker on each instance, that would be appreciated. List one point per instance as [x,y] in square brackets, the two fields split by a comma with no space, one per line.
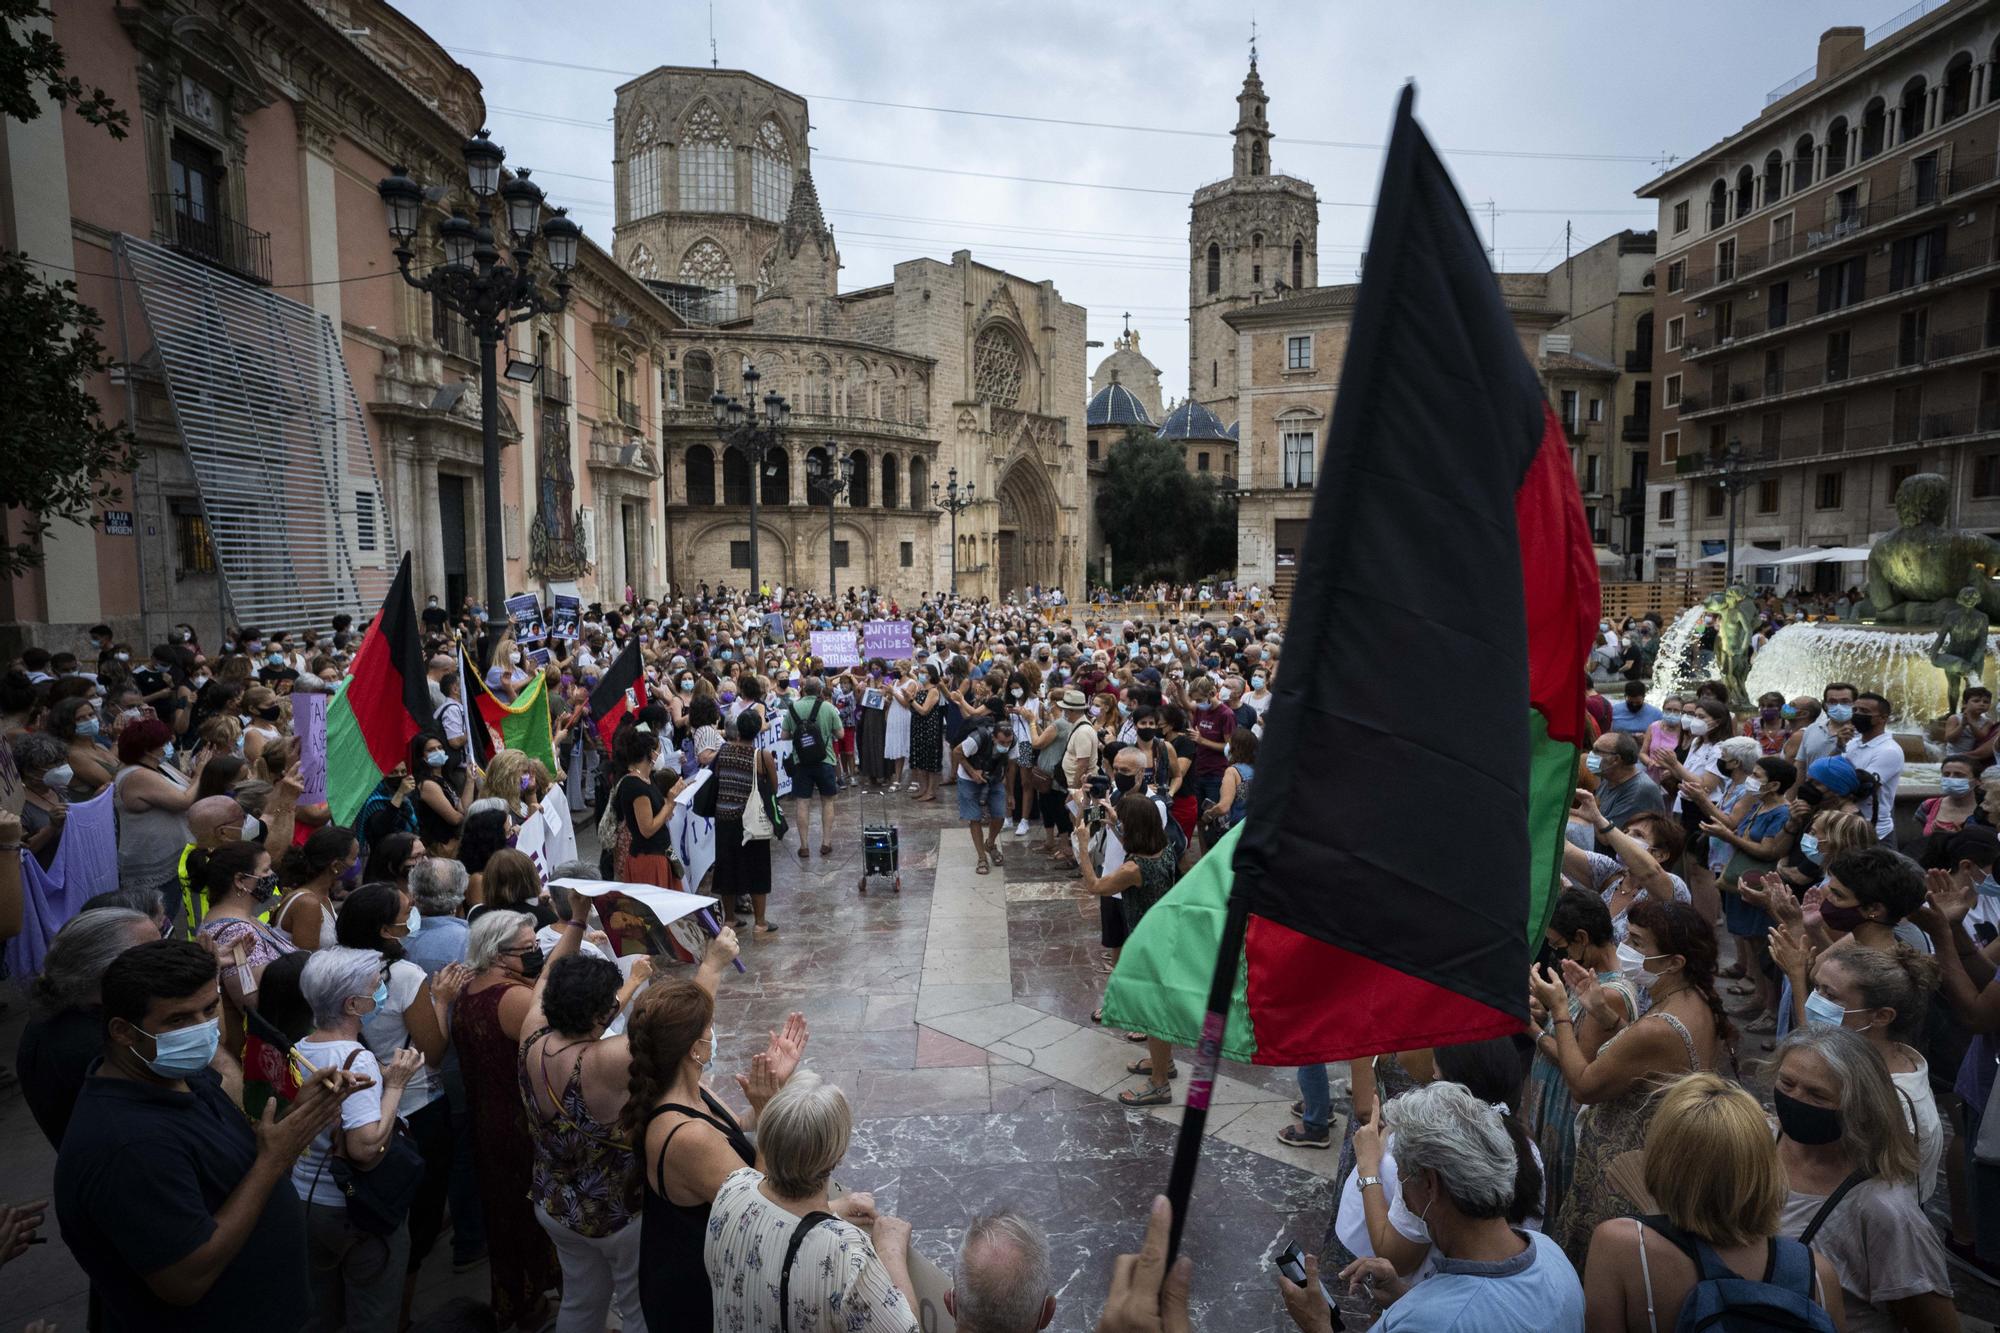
[1637,429]
[1899,355]
[222,242]
[1874,287]
[629,414]
[1639,360]
[552,387]
[1877,433]
[1853,219]
[454,335]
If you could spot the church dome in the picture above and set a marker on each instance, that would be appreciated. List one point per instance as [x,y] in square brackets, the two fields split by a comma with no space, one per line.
[1192,421]
[1232,430]
[1115,405]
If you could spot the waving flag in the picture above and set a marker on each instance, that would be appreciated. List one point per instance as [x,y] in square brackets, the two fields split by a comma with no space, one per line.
[382,705]
[621,690]
[522,725]
[1446,535]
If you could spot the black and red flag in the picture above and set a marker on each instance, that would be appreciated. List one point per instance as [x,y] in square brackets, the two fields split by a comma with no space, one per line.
[383,704]
[620,690]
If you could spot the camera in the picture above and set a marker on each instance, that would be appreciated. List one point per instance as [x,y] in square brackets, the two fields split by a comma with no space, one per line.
[1099,785]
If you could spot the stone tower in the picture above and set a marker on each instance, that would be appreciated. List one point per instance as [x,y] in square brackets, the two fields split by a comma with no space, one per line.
[804,272]
[1251,238]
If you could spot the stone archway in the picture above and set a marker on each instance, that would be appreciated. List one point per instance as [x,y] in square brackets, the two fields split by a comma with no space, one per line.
[1027,545]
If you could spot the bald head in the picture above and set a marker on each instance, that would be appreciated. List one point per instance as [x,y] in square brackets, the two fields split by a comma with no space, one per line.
[214,820]
[1002,1284]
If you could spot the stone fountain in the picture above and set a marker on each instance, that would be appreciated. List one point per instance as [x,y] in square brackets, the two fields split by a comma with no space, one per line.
[1921,633]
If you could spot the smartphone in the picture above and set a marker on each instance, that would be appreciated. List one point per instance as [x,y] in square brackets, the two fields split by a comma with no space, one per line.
[1291,1261]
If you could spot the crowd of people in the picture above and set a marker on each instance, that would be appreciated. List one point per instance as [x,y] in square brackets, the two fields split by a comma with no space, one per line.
[282,1059]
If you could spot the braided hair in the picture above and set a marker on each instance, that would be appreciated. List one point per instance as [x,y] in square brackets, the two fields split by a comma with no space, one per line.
[666,1022]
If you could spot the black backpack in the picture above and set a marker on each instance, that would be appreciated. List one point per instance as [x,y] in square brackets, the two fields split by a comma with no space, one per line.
[984,748]
[808,745]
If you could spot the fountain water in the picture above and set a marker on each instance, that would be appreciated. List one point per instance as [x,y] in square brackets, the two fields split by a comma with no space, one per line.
[1895,662]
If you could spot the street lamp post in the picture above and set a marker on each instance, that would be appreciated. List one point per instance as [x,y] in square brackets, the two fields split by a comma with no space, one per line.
[477,282]
[830,478]
[954,500]
[1735,477]
[739,427]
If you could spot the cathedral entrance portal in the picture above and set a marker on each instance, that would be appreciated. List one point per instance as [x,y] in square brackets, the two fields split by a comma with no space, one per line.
[1029,531]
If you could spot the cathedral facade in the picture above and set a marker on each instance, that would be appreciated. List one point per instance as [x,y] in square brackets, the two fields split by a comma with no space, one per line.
[951,370]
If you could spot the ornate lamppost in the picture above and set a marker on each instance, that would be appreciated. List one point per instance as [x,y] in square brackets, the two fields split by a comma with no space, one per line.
[1735,479]
[830,476]
[954,500]
[477,283]
[738,426]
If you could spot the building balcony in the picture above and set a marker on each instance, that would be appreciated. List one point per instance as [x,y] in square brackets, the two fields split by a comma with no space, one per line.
[1960,266]
[804,425]
[629,414]
[1637,429]
[1885,434]
[1855,222]
[1946,347]
[552,387]
[1639,360]
[217,241]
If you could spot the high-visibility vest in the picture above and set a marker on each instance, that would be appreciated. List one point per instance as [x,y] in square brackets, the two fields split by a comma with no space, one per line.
[191,896]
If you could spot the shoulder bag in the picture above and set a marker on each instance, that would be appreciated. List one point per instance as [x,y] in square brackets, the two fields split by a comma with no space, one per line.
[379,1199]
[806,1223]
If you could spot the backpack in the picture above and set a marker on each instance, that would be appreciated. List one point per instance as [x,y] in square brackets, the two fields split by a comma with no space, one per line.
[984,751]
[1726,1303]
[808,745]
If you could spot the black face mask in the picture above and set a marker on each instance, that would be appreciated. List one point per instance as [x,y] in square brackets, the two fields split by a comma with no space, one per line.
[531,964]
[1125,782]
[1804,1123]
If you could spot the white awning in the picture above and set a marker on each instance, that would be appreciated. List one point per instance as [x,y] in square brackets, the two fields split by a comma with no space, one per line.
[1832,555]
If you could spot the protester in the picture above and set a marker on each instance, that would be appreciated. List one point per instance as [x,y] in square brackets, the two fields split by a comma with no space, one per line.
[153,801]
[1723,1216]
[326,863]
[64,1034]
[1003,1279]
[814,727]
[1141,880]
[746,788]
[642,806]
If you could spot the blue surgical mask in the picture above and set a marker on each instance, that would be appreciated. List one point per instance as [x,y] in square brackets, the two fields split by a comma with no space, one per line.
[381,995]
[167,753]
[1988,887]
[1256,682]
[1822,1012]
[1955,786]
[184,1052]
[1788,711]
[415,922]
[1594,762]
[87,728]
[1840,712]
[437,758]
[1809,848]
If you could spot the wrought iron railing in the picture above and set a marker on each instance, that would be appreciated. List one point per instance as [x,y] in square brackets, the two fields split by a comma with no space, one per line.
[220,241]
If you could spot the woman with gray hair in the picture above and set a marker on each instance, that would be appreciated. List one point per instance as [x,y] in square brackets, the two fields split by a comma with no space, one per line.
[65,1032]
[43,763]
[1458,1168]
[355,1284]
[1850,1165]
[833,1274]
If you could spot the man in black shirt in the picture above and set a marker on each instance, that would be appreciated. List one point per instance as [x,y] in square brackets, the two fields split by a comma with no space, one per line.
[179,1208]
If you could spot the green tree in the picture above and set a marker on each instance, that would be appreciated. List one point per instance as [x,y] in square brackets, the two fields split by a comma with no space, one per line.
[1160,520]
[56,451]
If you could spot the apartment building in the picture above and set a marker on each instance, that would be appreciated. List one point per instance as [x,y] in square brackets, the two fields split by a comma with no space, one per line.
[1598,368]
[1827,300]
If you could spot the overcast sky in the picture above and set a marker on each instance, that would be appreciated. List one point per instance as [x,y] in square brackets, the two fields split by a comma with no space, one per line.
[1596,79]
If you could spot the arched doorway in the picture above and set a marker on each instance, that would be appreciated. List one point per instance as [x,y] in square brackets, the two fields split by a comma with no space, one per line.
[1026,544]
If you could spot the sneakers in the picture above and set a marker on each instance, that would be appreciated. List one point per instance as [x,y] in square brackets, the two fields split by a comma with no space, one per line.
[1298,1136]
[1021,829]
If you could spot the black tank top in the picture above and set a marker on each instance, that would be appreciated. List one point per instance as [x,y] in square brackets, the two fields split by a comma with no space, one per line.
[673,1281]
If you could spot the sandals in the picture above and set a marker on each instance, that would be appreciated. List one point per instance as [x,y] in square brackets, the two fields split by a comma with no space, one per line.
[826,849]
[1153,1094]
[1097,1014]
[1145,1067]
[994,851]
[983,868]
[765,929]
[805,854]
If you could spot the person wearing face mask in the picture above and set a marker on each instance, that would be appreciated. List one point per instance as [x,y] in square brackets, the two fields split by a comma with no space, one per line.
[267,721]
[354,1277]
[1236,779]
[1636,870]
[327,863]
[1669,955]
[440,802]
[1959,795]
[1759,836]
[1258,697]
[1458,1169]
[1023,702]
[1708,724]
[1871,749]
[45,777]
[926,733]
[75,723]
[1623,789]
[173,1202]
[487,1024]
[1822,737]
[1850,1164]
[241,889]
[1140,879]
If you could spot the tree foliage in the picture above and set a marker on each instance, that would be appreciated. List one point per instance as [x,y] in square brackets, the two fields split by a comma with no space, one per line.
[55,449]
[1160,520]
[32,72]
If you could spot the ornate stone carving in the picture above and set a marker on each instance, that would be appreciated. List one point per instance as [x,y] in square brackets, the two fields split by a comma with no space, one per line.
[968,421]
[997,365]
[643,132]
[641,262]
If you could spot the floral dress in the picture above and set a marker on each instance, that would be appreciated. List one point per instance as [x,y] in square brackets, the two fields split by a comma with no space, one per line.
[837,1283]
[585,1175]
[1549,1110]
[1605,1132]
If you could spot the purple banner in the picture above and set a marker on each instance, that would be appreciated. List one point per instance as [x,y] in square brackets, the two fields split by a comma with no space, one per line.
[309,725]
[889,640]
[835,648]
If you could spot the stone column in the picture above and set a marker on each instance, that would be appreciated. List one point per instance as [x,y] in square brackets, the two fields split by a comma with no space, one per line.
[800,492]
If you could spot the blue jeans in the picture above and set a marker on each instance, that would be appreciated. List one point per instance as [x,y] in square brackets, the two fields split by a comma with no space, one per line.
[1317,1095]
[1207,790]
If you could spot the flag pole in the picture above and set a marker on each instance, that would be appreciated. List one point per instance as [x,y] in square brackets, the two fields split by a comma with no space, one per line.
[1207,1055]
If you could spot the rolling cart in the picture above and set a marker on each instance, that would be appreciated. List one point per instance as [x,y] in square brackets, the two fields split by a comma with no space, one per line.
[881,850]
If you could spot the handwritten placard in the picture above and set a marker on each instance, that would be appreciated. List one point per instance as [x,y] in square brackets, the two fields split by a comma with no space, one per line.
[889,640]
[836,648]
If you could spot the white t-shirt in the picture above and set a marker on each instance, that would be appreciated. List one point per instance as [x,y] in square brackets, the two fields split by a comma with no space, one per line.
[312,1176]
[385,1030]
[1921,1114]
[1882,755]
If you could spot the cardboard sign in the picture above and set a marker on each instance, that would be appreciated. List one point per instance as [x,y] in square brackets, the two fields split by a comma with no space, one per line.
[836,648]
[874,699]
[773,738]
[638,917]
[890,640]
[526,614]
[567,620]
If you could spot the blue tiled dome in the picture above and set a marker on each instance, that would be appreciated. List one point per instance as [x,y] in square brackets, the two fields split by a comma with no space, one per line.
[1232,430]
[1192,421]
[1114,405]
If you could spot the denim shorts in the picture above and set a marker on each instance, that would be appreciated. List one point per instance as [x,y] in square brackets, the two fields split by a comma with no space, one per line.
[981,800]
[809,780]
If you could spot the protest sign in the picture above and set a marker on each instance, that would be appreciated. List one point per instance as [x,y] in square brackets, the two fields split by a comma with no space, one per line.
[526,615]
[639,918]
[692,836]
[12,794]
[889,640]
[836,648]
[568,617]
[309,725]
[773,738]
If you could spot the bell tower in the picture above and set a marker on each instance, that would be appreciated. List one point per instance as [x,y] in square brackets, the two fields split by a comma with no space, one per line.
[1253,130]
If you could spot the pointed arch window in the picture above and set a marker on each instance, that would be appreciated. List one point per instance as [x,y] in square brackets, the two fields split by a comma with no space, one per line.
[1298,264]
[708,168]
[998,366]
[770,173]
[705,265]
[1214,268]
[1257,158]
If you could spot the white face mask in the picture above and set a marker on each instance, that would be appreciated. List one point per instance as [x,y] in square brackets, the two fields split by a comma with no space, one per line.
[514,658]
[250,828]
[1633,964]
[1698,726]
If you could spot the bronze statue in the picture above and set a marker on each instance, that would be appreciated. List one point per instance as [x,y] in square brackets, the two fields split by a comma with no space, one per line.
[1960,650]
[1917,571]
[1735,625]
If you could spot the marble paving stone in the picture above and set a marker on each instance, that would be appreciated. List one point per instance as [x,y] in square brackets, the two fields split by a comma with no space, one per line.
[984,1026]
[1257,1130]
[1089,1059]
[909,1092]
[937,1051]
[937,1001]
[886,1012]
[1017,1087]
[1047,1032]
[1041,890]
[961,965]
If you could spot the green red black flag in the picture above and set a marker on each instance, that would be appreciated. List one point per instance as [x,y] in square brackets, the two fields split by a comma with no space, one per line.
[381,706]
[620,690]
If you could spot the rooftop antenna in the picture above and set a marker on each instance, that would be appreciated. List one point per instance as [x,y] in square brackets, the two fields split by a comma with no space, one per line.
[712,63]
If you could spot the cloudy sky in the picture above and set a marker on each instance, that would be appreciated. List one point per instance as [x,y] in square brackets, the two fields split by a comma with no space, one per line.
[1552,112]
